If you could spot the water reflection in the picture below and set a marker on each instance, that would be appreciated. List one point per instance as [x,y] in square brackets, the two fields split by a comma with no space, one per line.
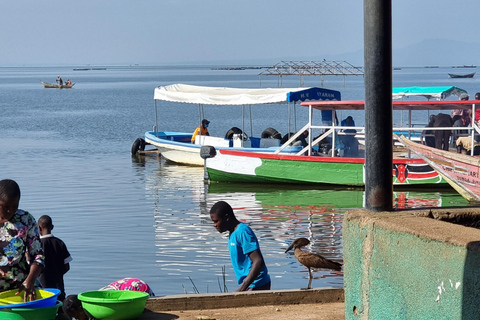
[190,251]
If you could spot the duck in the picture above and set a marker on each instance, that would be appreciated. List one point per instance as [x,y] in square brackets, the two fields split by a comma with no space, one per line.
[311,260]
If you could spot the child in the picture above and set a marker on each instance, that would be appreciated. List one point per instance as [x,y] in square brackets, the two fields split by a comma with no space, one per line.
[57,257]
[247,260]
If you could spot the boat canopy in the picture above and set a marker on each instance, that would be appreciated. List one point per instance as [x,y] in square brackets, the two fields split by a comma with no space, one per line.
[437,93]
[397,105]
[240,96]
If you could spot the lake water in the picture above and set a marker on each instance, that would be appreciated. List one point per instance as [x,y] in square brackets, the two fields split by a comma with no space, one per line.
[124,216]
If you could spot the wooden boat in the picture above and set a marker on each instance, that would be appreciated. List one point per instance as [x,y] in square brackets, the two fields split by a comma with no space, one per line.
[468,75]
[57,86]
[461,171]
[329,168]
[177,147]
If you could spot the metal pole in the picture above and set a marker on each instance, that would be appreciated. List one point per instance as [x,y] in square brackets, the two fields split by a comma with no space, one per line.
[378,105]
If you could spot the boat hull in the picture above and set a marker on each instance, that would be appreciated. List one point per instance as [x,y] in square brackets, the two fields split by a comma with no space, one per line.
[461,171]
[237,166]
[56,86]
[470,75]
[176,147]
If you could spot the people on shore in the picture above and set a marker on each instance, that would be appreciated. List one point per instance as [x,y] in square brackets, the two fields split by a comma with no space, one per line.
[201,130]
[72,306]
[59,80]
[57,257]
[130,284]
[247,259]
[22,259]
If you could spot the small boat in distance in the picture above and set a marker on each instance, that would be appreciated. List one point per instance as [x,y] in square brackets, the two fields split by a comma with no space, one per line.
[58,86]
[468,75]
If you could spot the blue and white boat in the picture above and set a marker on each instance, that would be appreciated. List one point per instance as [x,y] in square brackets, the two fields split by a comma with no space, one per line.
[177,147]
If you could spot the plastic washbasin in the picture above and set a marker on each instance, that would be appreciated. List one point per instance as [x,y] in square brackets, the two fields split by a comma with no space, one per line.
[113,305]
[45,313]
[45,298]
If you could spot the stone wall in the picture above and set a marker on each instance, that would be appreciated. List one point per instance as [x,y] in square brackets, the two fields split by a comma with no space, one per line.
[412,265]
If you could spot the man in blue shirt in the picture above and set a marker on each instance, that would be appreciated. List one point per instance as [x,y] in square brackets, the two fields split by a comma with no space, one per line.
[247,260]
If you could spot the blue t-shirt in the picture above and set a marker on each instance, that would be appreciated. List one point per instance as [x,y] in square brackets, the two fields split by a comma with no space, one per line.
[241,242]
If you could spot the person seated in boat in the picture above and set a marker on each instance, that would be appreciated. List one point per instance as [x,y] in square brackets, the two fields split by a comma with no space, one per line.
[428,134]
[349,141]
[442,137]
[476,117]
[68,83]
[327,118]
[461,118]
[59,80]
[202,130]
[299,141]
[465,143]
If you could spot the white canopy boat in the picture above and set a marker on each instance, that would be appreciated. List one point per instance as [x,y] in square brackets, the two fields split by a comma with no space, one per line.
[177,147]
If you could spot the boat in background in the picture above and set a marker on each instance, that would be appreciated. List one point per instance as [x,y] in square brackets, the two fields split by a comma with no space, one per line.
[330,168]
[57,86]
[468,75]
[436,92]
[461,171]
[177,146]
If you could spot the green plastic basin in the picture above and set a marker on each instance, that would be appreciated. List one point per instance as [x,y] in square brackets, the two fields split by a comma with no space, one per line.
[113,305]
[45,313]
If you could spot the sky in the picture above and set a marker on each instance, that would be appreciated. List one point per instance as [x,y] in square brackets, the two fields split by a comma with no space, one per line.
[161,32]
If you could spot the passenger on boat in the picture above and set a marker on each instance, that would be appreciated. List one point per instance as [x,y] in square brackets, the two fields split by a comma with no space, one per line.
[465,143]
[477,115]
[68,82]
[442,137]
[428,134]
[202,130]
[349,141]
[300,140]
[461,118]
[59,80]
[327,118]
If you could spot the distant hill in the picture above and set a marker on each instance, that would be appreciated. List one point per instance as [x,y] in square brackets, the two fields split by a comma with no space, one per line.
[433,52]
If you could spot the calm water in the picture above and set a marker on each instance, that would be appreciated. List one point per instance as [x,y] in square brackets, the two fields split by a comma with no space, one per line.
[141,217]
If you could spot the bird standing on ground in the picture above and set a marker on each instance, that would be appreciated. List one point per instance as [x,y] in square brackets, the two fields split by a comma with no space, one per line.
[311,260]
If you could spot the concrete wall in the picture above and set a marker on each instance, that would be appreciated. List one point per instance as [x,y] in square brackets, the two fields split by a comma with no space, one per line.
[409,265]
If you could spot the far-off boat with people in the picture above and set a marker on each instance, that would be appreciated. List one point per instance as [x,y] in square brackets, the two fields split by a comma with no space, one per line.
[57,86]
[178,147]
[320,163]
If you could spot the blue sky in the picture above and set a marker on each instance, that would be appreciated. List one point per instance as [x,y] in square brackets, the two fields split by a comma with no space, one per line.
[191,31]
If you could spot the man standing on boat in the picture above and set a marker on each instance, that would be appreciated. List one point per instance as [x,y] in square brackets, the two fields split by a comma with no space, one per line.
[59,80]
[202,130]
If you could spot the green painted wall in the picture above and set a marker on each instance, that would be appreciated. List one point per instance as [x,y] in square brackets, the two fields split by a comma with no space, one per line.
[405,266]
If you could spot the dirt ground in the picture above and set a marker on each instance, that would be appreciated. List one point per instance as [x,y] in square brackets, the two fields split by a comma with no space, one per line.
[320,311]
